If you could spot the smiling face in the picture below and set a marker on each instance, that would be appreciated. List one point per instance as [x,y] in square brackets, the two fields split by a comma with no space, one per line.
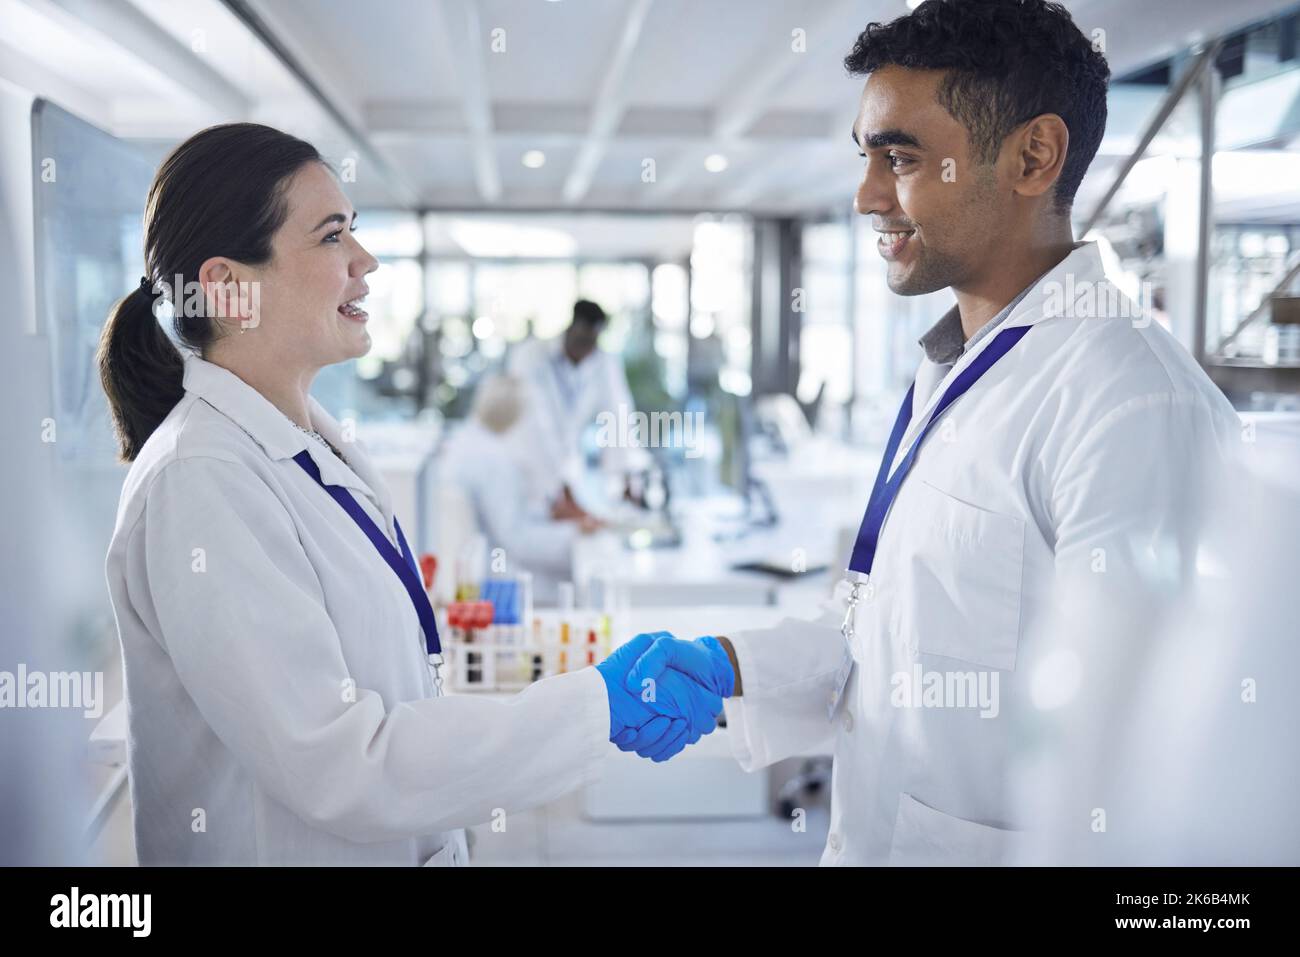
[309,314]
[939,211]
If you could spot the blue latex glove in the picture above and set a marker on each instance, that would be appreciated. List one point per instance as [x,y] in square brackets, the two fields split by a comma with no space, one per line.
[673,694]
[635,727]
[704,659]
[660,720]
[668,695]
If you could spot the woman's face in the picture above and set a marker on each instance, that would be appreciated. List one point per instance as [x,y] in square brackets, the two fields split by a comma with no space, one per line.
[309,291]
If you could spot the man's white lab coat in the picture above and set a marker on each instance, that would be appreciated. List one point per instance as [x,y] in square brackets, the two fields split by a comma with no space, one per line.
[280,708]
[1069,455]
[563,400]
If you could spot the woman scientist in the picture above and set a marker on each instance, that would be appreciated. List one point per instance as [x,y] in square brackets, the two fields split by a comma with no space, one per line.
[281,708]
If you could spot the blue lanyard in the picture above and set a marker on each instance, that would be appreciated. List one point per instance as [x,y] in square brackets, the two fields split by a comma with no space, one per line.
[402,564]
[886,487]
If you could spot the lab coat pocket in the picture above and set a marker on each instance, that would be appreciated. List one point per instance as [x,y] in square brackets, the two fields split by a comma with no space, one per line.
[925,837]
[965,563]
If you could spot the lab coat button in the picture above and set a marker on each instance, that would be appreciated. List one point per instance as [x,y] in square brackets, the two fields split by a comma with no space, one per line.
[848,721]
[835,842]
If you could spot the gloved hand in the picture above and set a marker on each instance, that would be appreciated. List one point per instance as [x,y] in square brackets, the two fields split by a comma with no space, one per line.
[659,720]
[703,659]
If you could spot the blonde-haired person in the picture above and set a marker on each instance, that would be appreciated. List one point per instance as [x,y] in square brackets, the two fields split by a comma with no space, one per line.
[280,705]
[479,457]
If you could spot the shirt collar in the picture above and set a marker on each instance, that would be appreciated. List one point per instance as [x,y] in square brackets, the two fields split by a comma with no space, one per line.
[945,342]
[243,405]
[274,432]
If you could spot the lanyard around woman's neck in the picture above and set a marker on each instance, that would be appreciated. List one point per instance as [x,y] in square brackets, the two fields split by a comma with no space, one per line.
[402,564]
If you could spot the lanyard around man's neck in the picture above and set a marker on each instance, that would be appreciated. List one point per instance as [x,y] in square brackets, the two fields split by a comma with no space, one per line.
[887,485]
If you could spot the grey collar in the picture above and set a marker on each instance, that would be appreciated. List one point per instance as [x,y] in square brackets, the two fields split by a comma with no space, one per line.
[945,341]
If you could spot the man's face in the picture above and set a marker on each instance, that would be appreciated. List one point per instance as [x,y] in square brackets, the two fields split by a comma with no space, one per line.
[938,211]
[580,340]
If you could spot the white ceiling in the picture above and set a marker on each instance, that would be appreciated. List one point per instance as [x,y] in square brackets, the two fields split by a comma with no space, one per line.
[440,120]
[577,235]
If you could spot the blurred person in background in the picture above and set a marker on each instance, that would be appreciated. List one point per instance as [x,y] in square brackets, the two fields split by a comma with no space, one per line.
[534,536]
[569,381]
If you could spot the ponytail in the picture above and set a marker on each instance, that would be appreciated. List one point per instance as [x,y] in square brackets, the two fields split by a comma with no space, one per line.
[140,369]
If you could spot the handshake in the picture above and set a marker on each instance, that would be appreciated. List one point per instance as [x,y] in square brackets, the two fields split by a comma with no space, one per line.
[665,693]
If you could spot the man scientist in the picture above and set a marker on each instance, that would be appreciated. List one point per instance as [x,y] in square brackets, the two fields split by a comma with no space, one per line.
[1046,436]
[570,381]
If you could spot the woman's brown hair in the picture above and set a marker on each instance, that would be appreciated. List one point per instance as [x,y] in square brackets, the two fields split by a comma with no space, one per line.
[220,193]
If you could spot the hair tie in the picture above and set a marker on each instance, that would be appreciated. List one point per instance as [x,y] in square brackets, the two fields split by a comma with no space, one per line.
[146,286]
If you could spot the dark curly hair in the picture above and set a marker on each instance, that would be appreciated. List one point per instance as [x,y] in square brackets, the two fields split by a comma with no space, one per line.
[1007,61]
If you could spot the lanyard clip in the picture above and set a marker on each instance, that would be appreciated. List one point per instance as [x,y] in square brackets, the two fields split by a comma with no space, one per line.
[846,629]
[435,665]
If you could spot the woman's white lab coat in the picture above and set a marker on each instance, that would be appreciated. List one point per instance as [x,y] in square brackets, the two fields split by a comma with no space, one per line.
[280,707]
[1069,457]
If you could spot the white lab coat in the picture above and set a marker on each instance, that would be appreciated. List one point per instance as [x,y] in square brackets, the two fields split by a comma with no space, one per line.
[482,464]
[1068,456]
[1206,771]
[563,400]
[279,705]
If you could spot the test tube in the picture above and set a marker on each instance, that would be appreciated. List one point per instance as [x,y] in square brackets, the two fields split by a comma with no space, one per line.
[525,597]
[606,627]
[566,621]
